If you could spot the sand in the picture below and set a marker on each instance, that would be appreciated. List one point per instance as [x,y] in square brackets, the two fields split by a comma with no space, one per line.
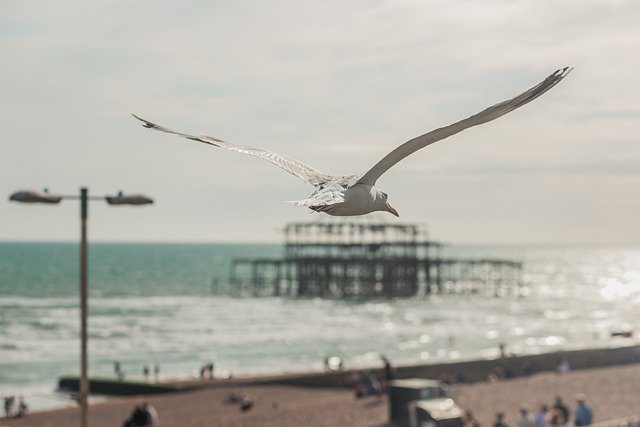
[613,392]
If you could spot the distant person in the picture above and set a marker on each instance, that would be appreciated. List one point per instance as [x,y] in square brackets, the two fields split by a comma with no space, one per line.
[8,405]
[500,420]
[156,372]
[22,408]
[556,418]
[210,368]
[143,415]
[503,350]
[469,420]
[541,417]
[526,419]
[584,413]
[116,369]
[371,384]
[562,408]
[563,367]
[388,374]
[145,372]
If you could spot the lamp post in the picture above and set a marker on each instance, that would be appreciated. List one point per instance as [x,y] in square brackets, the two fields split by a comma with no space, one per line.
[119,199]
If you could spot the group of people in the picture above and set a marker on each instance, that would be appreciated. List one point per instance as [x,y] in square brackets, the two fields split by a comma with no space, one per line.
[556,415]
[10,408]
[146,371]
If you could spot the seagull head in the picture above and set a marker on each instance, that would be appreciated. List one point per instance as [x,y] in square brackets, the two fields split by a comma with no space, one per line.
[383,203]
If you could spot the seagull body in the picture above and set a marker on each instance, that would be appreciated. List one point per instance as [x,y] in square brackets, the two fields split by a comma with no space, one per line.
[357,194]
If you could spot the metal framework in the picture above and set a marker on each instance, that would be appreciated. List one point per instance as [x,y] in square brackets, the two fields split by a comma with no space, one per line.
[354,259]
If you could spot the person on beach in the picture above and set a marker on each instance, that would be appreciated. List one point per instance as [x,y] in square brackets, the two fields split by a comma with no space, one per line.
[8,405]
[500,420]
[388,374]
[22,408]
[560,406]
[469,420]
[145,372]
[526,418]
[143,415]
[556,418]
[541,417]
[584,413]
[563,367]
[156,372]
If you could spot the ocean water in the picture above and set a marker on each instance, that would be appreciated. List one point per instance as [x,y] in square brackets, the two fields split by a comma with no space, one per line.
[153,303]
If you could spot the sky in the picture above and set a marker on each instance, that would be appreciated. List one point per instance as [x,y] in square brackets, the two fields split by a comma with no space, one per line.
[336,84]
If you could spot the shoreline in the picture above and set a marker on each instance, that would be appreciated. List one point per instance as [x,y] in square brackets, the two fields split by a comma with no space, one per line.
[463,371]
[289,392]
[612,392]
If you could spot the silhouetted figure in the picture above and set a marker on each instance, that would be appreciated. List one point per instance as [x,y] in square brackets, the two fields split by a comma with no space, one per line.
[500,420]
[8,405]
[469,420]
[156,372]
[388,369]
[562,408]
[145,372]
[388,374]
[503,350]
[22,408]
[142,416]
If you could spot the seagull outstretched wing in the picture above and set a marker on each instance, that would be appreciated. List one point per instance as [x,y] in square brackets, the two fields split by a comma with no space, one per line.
[484,116]
[295,167]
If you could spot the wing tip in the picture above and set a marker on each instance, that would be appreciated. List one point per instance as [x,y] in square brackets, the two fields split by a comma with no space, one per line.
[562,72]
[145,123]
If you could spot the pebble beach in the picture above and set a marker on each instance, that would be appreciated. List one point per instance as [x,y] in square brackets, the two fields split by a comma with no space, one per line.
[613,393]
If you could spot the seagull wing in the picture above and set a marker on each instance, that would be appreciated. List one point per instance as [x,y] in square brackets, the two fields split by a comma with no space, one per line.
[484,116]
[294,167]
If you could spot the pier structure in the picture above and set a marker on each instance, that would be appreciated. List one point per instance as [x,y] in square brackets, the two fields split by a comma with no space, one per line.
[357,259]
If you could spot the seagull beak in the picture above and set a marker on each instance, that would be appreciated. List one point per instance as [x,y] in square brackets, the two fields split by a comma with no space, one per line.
[392,210]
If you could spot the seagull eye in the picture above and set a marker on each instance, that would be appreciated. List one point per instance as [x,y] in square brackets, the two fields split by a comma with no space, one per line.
[384,195]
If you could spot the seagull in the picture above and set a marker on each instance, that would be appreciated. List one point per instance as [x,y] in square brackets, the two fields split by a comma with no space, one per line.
[357,194]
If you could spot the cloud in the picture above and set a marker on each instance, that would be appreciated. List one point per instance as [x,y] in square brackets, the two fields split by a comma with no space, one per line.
[336,84]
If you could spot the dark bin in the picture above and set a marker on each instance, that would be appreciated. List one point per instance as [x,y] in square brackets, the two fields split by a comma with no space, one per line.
[403,392]
[442,412]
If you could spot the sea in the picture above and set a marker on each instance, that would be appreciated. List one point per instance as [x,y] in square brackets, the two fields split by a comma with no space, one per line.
[168,304]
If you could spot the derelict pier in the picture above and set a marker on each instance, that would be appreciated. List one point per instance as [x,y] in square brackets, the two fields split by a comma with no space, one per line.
[357,259]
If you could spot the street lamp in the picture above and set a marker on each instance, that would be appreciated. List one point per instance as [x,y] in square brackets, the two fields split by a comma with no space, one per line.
[26,196]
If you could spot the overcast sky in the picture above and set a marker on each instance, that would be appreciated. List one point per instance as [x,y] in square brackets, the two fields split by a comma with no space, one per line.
[336,84]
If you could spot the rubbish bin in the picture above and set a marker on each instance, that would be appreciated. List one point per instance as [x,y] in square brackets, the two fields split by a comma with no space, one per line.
[403,392]
[441,412]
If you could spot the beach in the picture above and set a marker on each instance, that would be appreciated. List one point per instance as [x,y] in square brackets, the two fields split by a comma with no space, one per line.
[611,391]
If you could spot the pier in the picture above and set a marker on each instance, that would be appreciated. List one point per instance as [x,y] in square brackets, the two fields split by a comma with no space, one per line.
[356,259]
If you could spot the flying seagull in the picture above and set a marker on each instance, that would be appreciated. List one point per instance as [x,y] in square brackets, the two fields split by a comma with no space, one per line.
[357,194]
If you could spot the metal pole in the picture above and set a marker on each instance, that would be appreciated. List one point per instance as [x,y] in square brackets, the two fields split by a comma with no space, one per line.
[84,381]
